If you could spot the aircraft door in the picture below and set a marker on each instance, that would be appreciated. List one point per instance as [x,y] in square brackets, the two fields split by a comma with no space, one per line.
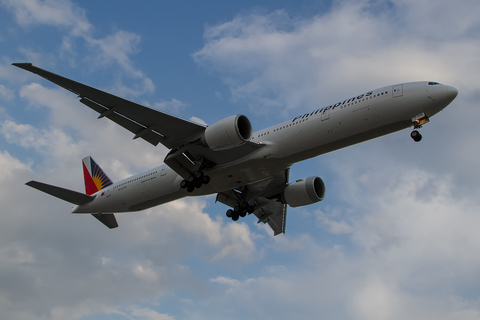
[397,91]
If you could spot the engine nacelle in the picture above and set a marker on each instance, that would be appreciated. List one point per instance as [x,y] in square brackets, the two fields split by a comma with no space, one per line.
[228,133]
[304,192]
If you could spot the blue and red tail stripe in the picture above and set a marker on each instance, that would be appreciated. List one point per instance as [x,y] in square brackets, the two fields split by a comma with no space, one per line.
[95,178]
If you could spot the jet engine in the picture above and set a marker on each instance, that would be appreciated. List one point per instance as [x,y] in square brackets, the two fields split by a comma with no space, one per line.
[228,133]
[304,192]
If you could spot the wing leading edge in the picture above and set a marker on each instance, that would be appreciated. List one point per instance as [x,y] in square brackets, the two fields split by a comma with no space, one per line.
[146,123]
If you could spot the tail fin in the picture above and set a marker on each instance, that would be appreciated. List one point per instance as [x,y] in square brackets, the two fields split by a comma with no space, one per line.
[95,178]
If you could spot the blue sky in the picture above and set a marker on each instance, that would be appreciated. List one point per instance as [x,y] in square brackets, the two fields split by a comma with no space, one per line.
[395,238]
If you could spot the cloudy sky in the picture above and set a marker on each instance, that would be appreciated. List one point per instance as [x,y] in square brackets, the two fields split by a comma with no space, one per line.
[396,238]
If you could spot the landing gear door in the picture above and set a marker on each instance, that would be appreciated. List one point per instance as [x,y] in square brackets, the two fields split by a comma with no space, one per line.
[397,91]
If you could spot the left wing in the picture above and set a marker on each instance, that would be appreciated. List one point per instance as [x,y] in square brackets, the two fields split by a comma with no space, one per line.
[146,123]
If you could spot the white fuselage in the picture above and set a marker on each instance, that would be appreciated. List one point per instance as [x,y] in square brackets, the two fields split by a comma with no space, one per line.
[350,121]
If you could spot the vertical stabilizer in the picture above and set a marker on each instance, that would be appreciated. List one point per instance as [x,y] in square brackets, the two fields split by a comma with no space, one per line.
[95,178]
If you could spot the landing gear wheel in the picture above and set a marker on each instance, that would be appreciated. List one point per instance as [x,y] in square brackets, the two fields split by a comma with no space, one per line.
[229,213]
[235,217]
[416,136]
[250,209]
[244,206]
[243,214]
[206,179]
[198,184]
[191,179]
[190,188]
[183,184]
[198,175]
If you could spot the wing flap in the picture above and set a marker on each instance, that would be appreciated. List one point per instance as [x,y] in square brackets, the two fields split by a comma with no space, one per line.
[121,120]
[273,213]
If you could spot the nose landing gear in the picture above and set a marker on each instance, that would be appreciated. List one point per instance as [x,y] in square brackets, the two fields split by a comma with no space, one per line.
[418,121]
[416,136]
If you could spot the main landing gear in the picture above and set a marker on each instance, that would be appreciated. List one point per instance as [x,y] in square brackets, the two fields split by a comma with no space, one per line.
[195,181]
[240,210]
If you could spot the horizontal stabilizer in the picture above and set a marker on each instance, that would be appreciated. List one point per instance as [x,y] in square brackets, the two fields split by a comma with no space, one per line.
[107,219]
[64,194]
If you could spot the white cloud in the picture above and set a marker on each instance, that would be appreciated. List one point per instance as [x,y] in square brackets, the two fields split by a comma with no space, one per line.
[335,227]
[226,281]
[6,93]
[65,15]
[275,62]
[173,106]
[116,48]
[58,13]
[148,314]
[198,120]
[51,142]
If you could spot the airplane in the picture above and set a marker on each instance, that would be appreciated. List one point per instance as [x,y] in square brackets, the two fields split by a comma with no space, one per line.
[249,171]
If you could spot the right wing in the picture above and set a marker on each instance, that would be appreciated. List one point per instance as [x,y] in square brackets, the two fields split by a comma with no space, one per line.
[151,125]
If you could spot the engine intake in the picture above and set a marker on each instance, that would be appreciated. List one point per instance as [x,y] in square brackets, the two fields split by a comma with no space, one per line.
[304,192]
[228,133]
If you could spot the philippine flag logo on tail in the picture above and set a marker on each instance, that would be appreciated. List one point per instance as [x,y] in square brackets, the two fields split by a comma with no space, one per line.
[95,178]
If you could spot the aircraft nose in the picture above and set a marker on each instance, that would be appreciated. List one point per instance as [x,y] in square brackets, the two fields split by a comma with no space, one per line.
[451,93]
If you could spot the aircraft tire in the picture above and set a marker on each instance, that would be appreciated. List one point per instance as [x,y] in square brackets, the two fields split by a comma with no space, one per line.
[243,214]
[206,179]
[416,136]
[235,217]
[198,175]
[190,188]
[183,184]
[229,213]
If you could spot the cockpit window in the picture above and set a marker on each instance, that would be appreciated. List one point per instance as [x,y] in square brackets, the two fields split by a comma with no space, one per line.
[433,83]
